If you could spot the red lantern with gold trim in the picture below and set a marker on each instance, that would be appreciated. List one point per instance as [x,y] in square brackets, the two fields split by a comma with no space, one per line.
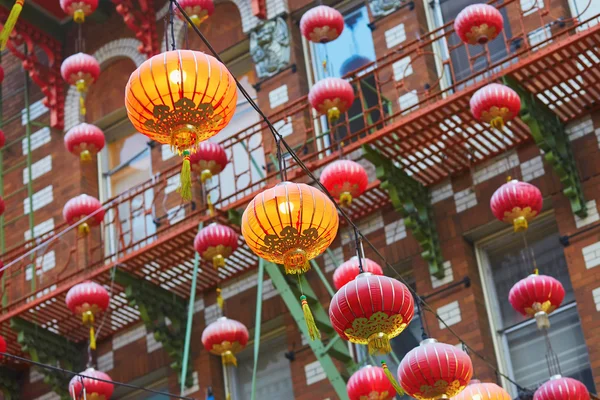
[372,310]
[86,387]
[562,388]
[81,207]
[208,160]
[434,371]
[537,296]
[322,24]
[477,390]
[197,10]
[345,180]
[79,9]
[84,140]
[516,203]
[495,104]
[478,24]
[370,383]
[88,299]
[331,97]
[348,271]
[225,337]
[215,243]
[80,70]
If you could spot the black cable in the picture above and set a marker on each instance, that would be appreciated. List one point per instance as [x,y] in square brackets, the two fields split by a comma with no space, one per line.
[421,319]
[171,22]
[81,376]
[309,173]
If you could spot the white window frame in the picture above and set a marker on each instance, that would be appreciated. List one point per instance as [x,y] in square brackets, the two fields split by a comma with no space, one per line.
[573,6]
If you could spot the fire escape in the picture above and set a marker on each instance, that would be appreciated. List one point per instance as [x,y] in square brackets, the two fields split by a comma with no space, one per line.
[150,273]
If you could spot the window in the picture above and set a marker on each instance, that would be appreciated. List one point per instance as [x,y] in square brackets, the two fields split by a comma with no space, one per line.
[274,377]
[584,10]
[520,348]
[445,11]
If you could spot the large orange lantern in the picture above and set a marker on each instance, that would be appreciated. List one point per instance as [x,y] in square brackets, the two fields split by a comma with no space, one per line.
[345,180]
[516,203]
[537,296]
[559,388]
[225,337]
[477,390]
[372,310]
[88,299]
[181,98]
[495,104]
[434,371]
[478,24]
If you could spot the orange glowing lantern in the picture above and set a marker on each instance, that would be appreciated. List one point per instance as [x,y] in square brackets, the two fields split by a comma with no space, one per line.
[477,390]
[181,98]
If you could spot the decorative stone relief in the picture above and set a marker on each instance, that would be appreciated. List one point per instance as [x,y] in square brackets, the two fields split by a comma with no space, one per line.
[270,47]
[379,8]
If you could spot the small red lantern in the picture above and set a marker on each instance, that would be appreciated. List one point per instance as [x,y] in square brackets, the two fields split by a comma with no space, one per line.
[2,206]
[495,104]
[371,310]
[88,387]
[435,370]
[80,70]
[79,9]
[88,299]
[482,391]
[559,388]
[322,24]
[349,270]
[331,97]
[84,140]
[516,203]
[81,207]
[345,180]
[225,337]
[197,10]
[1,75]
[2,139]
[537,296]
[3,345]
[370,383]
[215,243]
[478,24]
[208,160]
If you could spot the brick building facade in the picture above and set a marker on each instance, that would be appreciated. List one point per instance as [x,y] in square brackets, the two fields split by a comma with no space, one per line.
[410,72]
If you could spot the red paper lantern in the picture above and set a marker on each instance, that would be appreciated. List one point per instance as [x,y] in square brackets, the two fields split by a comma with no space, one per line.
[80,70]
[371,310]
[1,75]
[79,9]
[495,104]
[215,243]
[482,391]
[322,24]
[345,180]
[537,295]
[559,388]
[84,140]
[81,207]
[331,97]
[478,24]
[94,389]
[88,299]
[197,10]
[3,345]
[370,383]
[349,270]
[208,160]
[516,203]
[434,370]
[2,139]
[2,206]
[225,337]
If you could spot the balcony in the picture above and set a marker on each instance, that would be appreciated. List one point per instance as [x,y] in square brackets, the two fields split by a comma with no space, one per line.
[431,140]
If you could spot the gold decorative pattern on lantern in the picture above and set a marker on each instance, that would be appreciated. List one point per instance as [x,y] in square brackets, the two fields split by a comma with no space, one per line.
[376,396]
[480,34]
[323,34]
[440,388]
[519,217]
[217,254]
[546,307]
[365,330]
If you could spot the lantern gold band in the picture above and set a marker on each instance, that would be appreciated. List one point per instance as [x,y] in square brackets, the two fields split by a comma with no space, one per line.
[205,175]
[295,262]
[379,343]
[79,16]
[520,224]
[345,199]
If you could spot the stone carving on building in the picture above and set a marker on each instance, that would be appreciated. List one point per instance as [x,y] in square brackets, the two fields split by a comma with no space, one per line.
[270,47]
[379,8]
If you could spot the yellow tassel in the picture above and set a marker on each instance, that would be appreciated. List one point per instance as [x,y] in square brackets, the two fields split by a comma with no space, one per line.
[83,229]
[345,199]
[82,109]
[497,123]
[185,181]
[228,397]
[10,23]
[85,156]
[333,114]
[391,378]
[228,358]
[79,16]
[218,261]
[92,338]
[220,300]
[87,318]
[379,343]
[211,206]
[520,224]
[205,175]
[313,331]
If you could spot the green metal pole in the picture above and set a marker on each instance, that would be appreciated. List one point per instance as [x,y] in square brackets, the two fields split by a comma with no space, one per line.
[190,320]
[257,323]
[30,180]
[326,283]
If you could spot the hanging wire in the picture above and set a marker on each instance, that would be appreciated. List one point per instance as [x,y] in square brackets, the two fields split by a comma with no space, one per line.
[359,250]
[551,357]
[422,320]
[172,23]
[66,372]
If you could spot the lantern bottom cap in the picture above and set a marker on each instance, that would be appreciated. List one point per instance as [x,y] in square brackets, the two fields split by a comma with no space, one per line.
[295,261]
[379,343]
[542,319]
[520,224]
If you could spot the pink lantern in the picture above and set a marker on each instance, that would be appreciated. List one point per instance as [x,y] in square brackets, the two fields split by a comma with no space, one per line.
[322,24]
[88,299]
[81,207]
[197,10]
[80,70]
[559,388]
[478,24]
[537,296]
[331,97]
[345,180]
[79,9]
[88,387]
[516,203]
[84,140]
[208,160]
[495,104]
[225,337]
[215,243]
[369,383]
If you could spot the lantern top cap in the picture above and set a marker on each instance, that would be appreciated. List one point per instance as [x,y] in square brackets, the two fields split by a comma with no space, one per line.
[474,382]
[364,275]
[428,341]
[223,318]
[555,377]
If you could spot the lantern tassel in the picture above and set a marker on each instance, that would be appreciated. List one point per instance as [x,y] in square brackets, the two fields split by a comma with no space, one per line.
[218,261]
[497,123]
[211,206]
[82,109]
[391,378]
[185,180]
[345,199]
[520,224]
[228,358]
[313,331]
[205,175]
[83,229]
[333,114]
[220,300]
[379,343]
[92,338]
[10,23]
[85,155]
